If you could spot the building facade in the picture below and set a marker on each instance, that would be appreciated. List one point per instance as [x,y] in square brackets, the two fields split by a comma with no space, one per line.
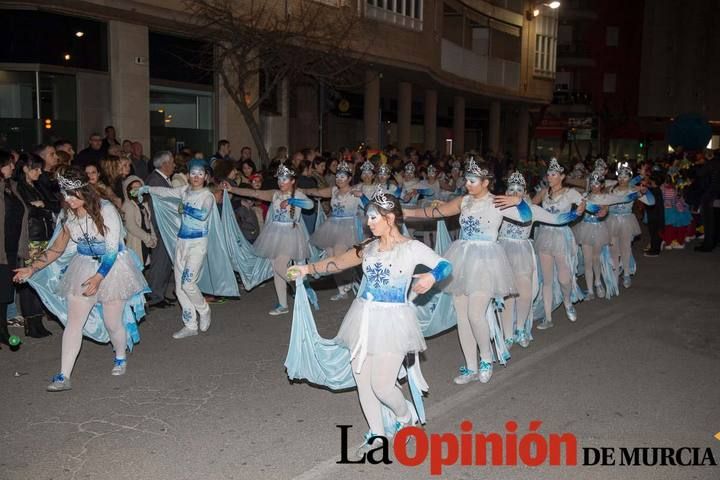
[446,75]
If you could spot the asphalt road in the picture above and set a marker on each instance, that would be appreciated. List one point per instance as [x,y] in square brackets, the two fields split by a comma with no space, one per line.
[641,370]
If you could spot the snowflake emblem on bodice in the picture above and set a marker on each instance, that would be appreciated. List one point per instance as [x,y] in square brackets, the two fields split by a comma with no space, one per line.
[470,225]
[516,232]
[378,275]
[338,209]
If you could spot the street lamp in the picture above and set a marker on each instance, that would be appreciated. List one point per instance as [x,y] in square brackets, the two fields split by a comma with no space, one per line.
[531,14]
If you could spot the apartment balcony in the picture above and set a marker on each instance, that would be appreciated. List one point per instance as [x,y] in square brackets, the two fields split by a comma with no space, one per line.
[403,13]
[479,68]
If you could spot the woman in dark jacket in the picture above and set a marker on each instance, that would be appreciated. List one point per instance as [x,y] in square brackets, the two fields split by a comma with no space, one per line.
[13,237]
[40,229]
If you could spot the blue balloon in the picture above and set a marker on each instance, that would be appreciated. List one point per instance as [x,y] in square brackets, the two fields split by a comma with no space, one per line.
[690,131]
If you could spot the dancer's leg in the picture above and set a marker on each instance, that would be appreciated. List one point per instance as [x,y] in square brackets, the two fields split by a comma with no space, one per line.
[384,383]
[547,264]
[78,310]
[280,266]
[468,343]
[369,402]
[589,262]
[477,308]
[112,317]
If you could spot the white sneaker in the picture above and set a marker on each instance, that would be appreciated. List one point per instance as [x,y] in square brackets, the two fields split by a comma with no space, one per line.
[600,290]
[120,366]
[466,376]
[278,310]
[627,282]
[205,322]
[545,325]
[590,296]
[485,374]
[523,340]
[571,313]
[339,296]
[185,332]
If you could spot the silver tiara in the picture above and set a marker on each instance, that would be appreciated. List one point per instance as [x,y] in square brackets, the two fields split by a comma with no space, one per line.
[473,169]
[66,184]
[343,168]
[367,166]
[554,166]
[384,170]
[380,199]
[624,170]
[600,164]
[517,179]
[456,165]
[597,177]
[284,171]
[410,167]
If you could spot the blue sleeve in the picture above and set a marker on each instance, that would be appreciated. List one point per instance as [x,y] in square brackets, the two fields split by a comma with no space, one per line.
[525,211]
[649,198]
[425,191]
[442,270]
[196,213]
[398,192]
[364,200]
[636,181]
[304,203]
[592,208]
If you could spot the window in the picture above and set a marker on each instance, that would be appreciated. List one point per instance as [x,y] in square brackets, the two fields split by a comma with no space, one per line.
[405,13]
[611,36]
[546,31]
[181,117]
[609,81]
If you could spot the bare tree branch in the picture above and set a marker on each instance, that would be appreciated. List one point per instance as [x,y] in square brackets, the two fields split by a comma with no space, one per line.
[280,39]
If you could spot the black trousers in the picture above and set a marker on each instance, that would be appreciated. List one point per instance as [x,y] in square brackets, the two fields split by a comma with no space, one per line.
[654,228]
[710,224]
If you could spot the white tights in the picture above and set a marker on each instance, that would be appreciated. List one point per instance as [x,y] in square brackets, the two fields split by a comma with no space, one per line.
[342,279]
[621,249]
[518,307]
[377,386]
[280,266]
[78,311]
[473,328]
[591,255]
[547,262]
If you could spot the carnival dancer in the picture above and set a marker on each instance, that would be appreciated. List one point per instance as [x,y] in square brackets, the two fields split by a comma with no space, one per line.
[409,182]
[385,181]
[91,279]
[367,178]
[196,206]
[381,327]
[343,228]
[284,236]
[593,236]
[623,224]
[515,239]
[481,271]
[556,246]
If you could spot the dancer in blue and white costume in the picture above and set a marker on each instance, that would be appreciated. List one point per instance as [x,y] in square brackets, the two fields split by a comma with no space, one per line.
[381,328]
[409,182]
[191,249]
[623,224]
[515,239]
[284,236]
[481,271]
[367,184]
[385,181]
[593,236]
[89,292]
[557,247]
[343,228]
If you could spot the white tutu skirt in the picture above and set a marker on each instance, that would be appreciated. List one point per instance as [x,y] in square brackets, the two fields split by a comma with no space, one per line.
[336,231]
[122,281]
[392,327]
[624,225]
[595,234]
[282,239]
[521,256]
[555,241]
[479,266]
